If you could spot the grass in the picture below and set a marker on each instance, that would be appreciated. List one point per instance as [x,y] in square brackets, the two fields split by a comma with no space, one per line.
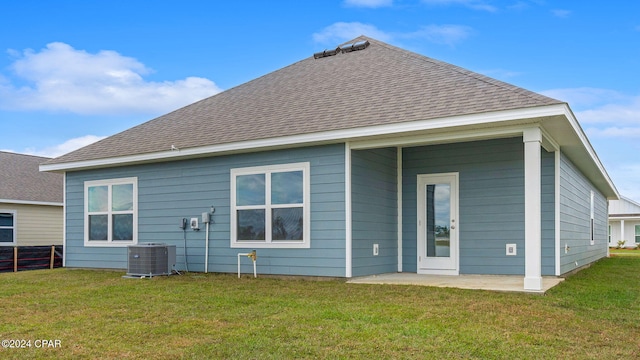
[625,252]
[594,314]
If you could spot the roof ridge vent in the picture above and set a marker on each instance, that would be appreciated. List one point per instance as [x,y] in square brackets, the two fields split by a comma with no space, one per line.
[359,45]
[326,53]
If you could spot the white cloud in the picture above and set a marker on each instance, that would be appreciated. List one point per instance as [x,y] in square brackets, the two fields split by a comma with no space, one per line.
[585,96]
[620,113]
[442,34]
[471,4]
[65,147]
[561,13]
[438,34]
[368,3]
[593,105]
[343,31]
[61,78]
[614,131]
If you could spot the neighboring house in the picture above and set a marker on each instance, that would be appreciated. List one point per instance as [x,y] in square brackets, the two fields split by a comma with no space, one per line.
[362,160]
[624,222]
[31,204]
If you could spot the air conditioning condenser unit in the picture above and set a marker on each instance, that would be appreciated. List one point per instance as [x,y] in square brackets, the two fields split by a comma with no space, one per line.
[151,259]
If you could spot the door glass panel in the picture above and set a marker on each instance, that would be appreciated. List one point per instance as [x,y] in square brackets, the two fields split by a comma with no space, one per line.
[438,220]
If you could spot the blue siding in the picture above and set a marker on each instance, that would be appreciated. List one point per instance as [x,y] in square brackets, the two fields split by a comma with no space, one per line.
[491,203]
[575,201]
[168,192]
[548,204]
[374,208]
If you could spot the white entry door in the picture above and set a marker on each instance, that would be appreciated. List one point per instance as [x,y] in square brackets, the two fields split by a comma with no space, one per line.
[438,224]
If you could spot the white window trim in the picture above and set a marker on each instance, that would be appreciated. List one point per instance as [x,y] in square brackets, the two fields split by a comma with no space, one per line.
[14,227]
[635,234]
[109,242]
[306,206]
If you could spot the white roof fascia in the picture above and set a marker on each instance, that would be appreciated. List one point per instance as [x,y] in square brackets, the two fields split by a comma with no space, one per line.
[587,146]
[624,217]
[314,138]
[27,202]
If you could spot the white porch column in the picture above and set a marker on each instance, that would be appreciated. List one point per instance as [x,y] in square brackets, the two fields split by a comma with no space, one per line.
[348,271]
[532,139]
[621,230]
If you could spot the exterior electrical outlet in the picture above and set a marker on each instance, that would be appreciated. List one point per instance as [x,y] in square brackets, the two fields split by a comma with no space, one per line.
[376,249]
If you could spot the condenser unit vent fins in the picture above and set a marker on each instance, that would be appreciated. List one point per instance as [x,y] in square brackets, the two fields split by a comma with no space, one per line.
[151,259]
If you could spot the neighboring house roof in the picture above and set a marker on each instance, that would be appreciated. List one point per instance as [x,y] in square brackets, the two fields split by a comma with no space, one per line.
[22,182]
[376,92]
[381,84]
[624,207]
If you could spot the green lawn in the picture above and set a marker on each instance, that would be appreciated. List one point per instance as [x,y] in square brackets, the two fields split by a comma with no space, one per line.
[594,314]
[625,252]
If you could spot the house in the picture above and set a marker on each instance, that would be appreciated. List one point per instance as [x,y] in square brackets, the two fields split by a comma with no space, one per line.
[30,202]
[359,160]
[624,222]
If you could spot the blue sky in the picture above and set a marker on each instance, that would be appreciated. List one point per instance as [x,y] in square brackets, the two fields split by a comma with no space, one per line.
[72,72]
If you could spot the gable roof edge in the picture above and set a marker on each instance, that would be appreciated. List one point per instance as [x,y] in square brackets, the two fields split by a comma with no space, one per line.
[612,193]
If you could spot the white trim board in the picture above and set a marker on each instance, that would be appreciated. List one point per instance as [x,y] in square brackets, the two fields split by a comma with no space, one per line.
[28,202]
[317,138]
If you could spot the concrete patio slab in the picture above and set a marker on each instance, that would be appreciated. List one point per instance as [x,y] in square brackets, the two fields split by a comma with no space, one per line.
[513,283]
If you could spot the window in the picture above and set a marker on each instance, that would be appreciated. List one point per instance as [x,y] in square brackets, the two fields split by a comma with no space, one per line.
[7,227]
[270,206]
[111,212]
[592,217]
[637,234]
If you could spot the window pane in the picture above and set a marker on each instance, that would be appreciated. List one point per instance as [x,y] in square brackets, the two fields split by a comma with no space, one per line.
[286,188]
[287,224]
[6,235]
[98,198]
[98,227]
[250,189]
[122,197]
[6,219]
[637,230]
[438,220]
[251,224]
[122,227]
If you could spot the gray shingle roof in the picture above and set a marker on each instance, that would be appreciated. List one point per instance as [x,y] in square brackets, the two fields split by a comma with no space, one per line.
[21,179]
[379,85]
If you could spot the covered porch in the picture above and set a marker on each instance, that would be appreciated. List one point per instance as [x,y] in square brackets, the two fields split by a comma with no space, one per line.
[496,239]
